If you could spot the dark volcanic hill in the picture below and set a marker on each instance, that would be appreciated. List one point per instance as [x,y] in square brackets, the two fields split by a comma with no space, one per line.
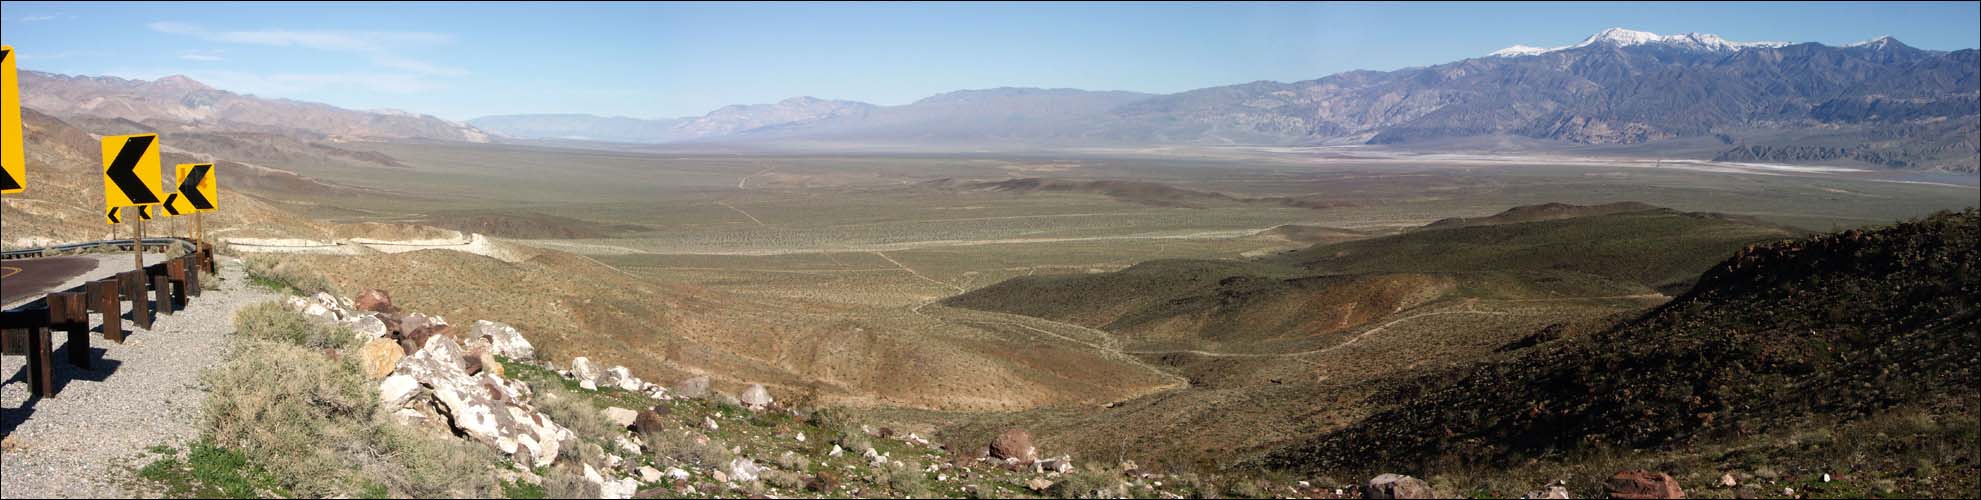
[1820,332]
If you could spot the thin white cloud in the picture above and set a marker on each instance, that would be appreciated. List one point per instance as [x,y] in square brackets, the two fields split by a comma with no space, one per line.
[202,55]
[296,84]
[44,17]
[382,46]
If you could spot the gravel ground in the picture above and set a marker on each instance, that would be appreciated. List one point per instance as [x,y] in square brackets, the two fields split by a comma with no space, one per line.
[85,442]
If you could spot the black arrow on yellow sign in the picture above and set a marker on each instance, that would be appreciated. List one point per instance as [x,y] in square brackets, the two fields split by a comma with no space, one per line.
[121,173]
[190,186]
[111,215]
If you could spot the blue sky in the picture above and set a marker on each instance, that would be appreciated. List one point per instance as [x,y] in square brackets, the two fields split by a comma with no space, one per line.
[462,60]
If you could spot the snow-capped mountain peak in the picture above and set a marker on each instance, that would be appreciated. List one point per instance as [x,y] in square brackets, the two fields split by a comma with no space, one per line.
[1620,37]
[1519,50]
[1874,43]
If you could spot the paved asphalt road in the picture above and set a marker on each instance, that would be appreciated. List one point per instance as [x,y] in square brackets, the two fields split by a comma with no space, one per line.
[27,278]
[23,281]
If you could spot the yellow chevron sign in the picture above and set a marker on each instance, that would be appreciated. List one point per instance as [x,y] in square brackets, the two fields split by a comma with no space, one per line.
[198,187]
[13,153]
[130,170]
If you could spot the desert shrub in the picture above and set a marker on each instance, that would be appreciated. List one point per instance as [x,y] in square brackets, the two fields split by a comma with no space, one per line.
[271,321]
[851,437]
[793,462]
[412,464]
[574,412]
[287,276]
[562,482]
[318,430]
[905,478]
[290,423]
[682,446]
[784,479]
[1083,482]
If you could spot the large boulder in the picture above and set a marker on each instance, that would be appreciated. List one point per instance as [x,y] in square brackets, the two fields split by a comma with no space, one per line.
[504,340]
[1398,486]
[692,387]
[1014,444]
[755,397]
[379,357]
[375,300]
[585,370]
[1642,484]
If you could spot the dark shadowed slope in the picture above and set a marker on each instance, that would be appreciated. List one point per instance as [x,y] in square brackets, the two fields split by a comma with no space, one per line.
[1810,333]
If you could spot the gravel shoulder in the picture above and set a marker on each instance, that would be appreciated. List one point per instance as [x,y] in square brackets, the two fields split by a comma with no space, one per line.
[85,442]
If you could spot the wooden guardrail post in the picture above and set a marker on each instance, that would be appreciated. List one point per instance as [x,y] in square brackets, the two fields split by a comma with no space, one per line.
[103,298]
[134,291]
[26,333]
[161,292]
[185,271]
[69,312]
[41,363]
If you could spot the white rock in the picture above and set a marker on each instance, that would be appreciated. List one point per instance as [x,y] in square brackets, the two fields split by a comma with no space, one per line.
[621,416]
[617,489]
[1826,477]
[677,473]
[801,437]
[710,424]
[613,461]
[743,470]
[627,445]
[649,474]
[583,368]
[592,475]
[587,385]
[504,339]
[396,390]
[836,451]
[755,397]
[368,327]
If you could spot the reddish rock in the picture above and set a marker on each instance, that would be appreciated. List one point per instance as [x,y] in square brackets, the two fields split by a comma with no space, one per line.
[1642,484]
[375,300]
[1014,443]
[648,421]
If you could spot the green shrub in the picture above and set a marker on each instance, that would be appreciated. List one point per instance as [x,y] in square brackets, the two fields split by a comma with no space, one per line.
[274,322]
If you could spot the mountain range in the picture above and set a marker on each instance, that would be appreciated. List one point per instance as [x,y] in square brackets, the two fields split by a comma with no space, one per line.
[1878,103]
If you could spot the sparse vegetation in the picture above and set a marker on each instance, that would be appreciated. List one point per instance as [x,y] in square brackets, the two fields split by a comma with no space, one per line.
[315,430]
[282,275]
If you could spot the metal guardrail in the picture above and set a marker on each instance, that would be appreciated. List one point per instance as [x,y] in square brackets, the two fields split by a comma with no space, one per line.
[186,244]
[160,288]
